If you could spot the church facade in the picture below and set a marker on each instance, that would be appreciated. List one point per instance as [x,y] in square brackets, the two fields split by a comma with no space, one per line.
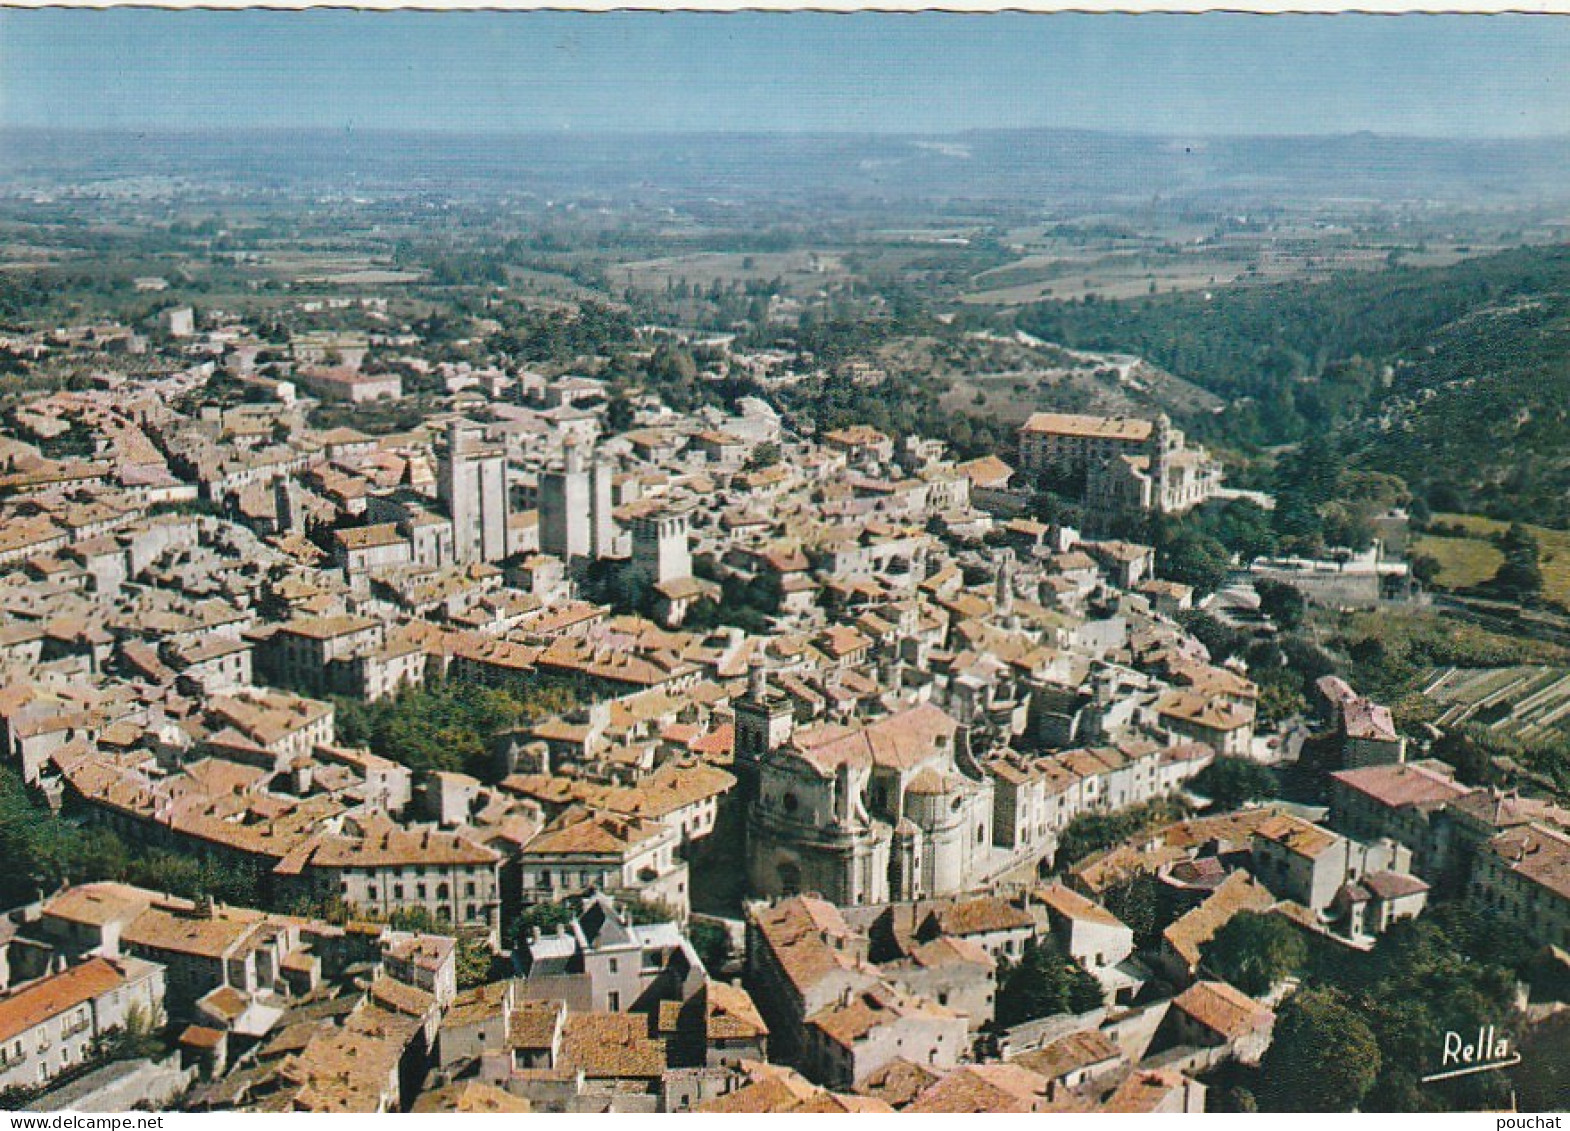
[892,810]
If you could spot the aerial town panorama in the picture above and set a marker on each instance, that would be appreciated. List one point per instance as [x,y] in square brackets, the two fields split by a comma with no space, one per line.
[857,610]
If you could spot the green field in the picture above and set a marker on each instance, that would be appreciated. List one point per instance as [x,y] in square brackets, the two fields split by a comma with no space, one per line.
[1463,562]
[1553,550]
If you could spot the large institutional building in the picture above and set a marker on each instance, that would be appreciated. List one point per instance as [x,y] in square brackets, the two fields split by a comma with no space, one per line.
[908,806]
[892,810]
[1128,464]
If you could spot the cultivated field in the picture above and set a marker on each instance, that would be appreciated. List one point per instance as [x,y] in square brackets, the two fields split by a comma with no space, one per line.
[1527,703]
[1115,277]
[799,271]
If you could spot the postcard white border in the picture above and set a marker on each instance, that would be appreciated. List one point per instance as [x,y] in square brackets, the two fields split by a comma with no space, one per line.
[961,7]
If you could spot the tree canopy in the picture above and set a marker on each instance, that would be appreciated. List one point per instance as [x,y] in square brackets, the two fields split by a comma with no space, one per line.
[1232,782]
[1091,832]
[1254,952]
[1045,982]
[1282,603]
[1323,1056]
[445,725]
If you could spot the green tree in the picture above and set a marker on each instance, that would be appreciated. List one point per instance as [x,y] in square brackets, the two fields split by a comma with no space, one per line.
[1426,568]
[1138,903]
[636,910]
[137,1037]
[1323,1056]
[543,917]
[712,942]
[1044,983]
[618,415]
[1281,602]
[766,454]
[1472,759]
[1221,641]
[1233,782]
[1194,559]
[476,960]
[1520,577]
[1453,970]
[1279,700]
[446,725]
[1243,526]
[1254,951]
[1091,832]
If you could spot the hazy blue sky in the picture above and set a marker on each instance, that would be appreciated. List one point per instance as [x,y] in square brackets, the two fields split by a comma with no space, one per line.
[1435,75]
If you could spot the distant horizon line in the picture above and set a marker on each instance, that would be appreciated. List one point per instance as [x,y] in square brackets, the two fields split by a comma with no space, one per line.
[761,132]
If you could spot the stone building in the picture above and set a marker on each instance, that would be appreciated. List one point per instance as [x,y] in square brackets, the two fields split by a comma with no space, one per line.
[895,809]
[865,1031]
[660,549]
[51,1025]
[472,482]
[1523,877]
[601,961]
[1166,478]
[1127,465]
[1303,862]
[575,508]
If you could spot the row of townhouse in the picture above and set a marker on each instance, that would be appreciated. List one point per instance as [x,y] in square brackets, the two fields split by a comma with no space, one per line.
[373,863]
[1502,852]
[53,1024]
[1036,798]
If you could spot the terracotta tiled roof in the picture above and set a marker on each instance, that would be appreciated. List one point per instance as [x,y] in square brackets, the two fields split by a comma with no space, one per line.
[536,1024]
[833,1103]
[1071,905]
[481,1003]
[1223,1009]
[982,916]
[612,1046]
[1393,885]
[773,1094]
[1129,428]
[1188,934]
[732,1016]
[1297,835]
[1069,1054]
[97,904]
[872,1008]
[400,997]
[471,1097]
[946,950]
[1203,711]
[597,834]
[898,1082]
[808,938]
[49,997]
[901,741]
[1144,1091]
[190,933]
[985,1088]
[1539,854]
[1403,784]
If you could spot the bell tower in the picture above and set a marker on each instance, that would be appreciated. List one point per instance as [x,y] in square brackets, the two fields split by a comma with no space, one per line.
[1160,461]
[764,723]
